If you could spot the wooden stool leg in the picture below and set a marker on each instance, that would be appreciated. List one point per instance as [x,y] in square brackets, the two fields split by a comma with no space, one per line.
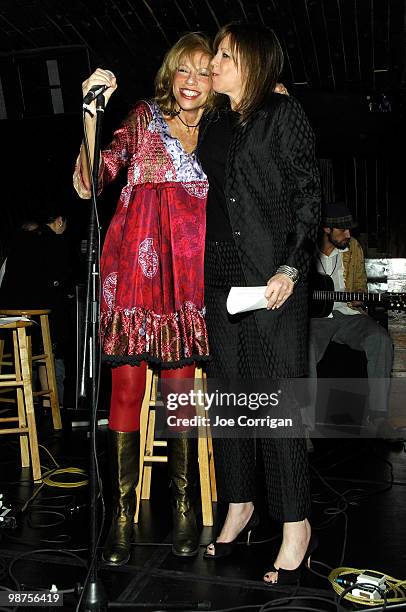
[44,384]
[205,488]
[143,438]
[149,451]
[50,367]
[1,351]
[24,448]
[29,347]
[149,447]
[204,459]
[29,404]
[211,451]
[154,390]
[211,466]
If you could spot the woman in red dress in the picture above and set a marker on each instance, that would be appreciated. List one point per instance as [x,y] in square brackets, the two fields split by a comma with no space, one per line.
[152,309]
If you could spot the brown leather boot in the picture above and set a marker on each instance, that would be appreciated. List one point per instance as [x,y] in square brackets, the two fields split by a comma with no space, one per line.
[124,460]
[182,458]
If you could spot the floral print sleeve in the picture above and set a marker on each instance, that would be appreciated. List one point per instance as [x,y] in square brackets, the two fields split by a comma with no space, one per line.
[119,152]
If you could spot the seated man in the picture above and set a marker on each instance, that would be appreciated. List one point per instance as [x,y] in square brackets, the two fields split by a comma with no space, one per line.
[340,257]
[40,273]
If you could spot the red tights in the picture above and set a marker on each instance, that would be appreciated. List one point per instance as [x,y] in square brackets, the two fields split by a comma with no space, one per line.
[128,388]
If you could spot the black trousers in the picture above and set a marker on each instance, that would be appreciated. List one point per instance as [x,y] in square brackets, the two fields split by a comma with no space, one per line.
[237,353]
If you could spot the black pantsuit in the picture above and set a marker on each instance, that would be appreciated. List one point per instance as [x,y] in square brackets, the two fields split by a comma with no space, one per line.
[239,355]
[262,212]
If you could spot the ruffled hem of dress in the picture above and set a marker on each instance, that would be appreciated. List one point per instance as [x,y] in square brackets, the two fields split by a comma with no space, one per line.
[135,360]
[131,336]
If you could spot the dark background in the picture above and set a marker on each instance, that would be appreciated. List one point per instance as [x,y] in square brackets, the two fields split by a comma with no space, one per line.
[344,60]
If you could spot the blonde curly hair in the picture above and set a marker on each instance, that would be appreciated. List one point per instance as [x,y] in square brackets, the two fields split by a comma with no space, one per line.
[186,46]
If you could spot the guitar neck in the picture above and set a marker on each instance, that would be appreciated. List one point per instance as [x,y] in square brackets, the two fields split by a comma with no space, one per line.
[347,296]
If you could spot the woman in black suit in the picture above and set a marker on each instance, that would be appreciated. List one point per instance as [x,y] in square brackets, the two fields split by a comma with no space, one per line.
[262,218]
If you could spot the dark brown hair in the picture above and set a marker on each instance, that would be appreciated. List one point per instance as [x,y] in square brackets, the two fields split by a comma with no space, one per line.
[258,54]
[186,46]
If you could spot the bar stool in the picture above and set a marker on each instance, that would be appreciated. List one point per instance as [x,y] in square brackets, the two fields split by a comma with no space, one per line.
[148,443]
[20,379]
[45,358]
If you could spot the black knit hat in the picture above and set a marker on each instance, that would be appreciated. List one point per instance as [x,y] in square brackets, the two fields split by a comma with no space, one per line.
[336,214]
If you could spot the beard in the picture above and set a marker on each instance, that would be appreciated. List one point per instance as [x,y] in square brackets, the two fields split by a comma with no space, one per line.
[339,244]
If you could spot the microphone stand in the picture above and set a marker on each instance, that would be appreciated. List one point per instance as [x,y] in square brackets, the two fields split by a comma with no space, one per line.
[94,595]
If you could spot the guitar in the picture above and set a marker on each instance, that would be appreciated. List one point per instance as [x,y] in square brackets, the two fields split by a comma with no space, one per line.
[324,295]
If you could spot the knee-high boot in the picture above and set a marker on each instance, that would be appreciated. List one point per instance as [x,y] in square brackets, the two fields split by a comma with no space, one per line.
[124,460]
[182,457]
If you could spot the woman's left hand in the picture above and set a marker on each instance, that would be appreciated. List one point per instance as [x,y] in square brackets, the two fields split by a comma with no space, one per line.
[281,89]
[279,288]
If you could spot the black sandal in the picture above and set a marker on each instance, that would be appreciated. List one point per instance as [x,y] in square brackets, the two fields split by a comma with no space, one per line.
[225,549]
[290,577]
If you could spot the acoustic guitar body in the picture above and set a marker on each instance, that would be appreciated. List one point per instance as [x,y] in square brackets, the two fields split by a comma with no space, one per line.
[321,282]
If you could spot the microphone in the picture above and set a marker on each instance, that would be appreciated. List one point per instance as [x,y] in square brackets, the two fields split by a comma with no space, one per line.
[93,93]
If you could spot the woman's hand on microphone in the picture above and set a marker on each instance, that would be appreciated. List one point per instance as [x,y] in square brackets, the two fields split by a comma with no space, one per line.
[100,77]
[97,78]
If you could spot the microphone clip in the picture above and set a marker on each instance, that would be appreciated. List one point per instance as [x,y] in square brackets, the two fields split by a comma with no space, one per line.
[100,105]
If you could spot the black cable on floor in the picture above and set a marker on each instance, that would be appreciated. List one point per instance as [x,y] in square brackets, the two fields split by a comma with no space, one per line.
[400,606]
[261,608]
[60,518]
[270,604]
[38,551]
[3,569]
[360,451]
[313,571]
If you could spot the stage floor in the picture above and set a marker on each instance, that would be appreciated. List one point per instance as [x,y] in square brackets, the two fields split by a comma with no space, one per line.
[358,512]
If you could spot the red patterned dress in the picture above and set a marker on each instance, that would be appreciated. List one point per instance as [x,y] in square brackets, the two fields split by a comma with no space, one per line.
[152,263]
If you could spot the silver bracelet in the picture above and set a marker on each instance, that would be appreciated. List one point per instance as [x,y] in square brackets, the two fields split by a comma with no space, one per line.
[289,271]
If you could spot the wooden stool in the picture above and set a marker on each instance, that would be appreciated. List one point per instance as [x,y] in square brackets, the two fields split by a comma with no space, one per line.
[21,381]
[46,358]
[148,443]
